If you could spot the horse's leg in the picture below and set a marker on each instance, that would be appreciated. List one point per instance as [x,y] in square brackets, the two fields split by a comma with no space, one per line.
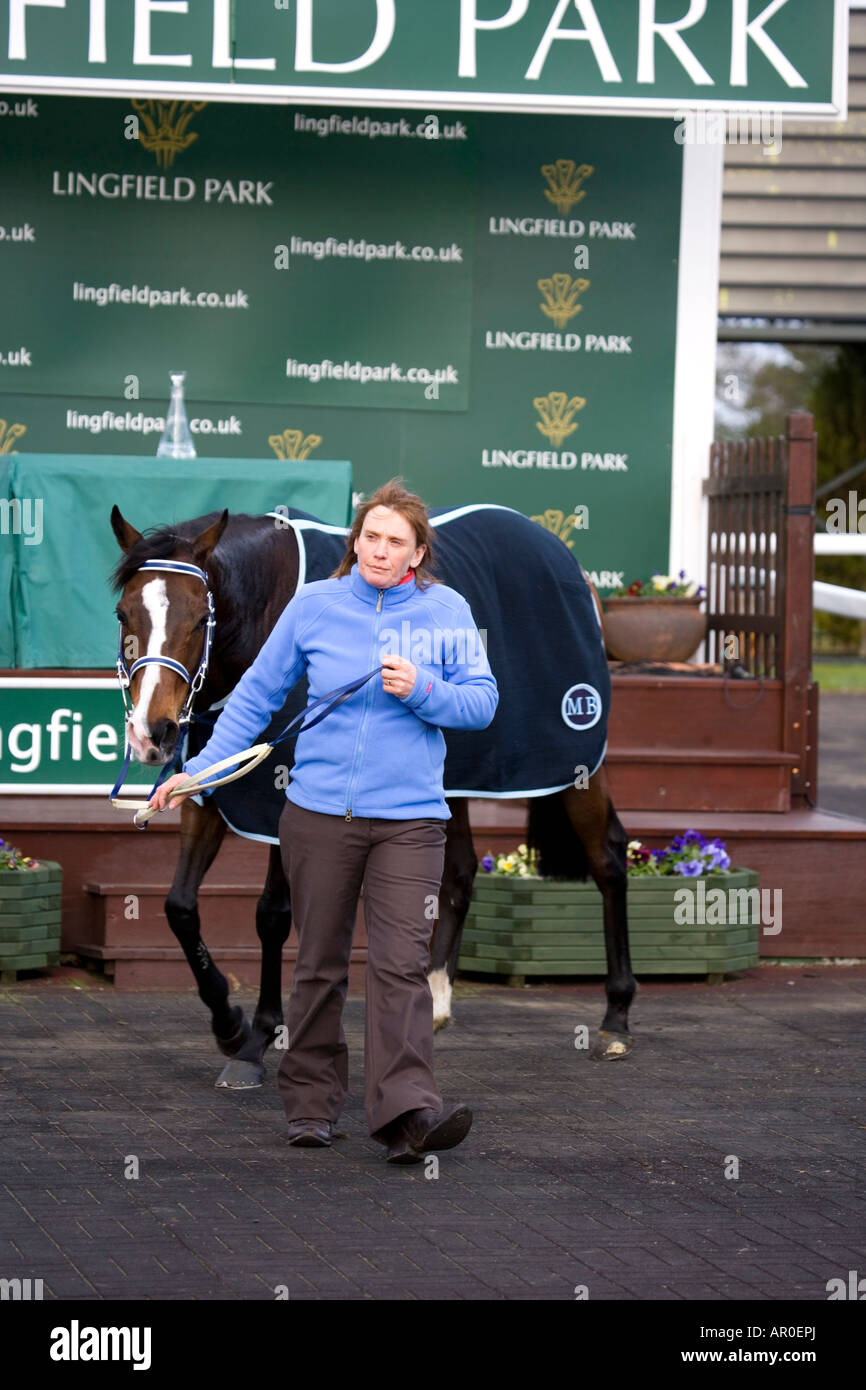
[454,895]
[605,843]
[201,833]
[273,922]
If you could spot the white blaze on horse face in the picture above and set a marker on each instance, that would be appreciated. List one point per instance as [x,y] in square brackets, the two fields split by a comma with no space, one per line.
[155,601]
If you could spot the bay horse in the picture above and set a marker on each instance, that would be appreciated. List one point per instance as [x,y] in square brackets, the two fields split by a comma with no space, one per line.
[237,573]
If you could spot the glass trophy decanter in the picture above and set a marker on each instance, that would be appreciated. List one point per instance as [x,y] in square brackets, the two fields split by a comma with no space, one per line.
[176,442]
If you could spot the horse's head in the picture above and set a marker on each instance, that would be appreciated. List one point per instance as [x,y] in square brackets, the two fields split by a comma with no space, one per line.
[163,616]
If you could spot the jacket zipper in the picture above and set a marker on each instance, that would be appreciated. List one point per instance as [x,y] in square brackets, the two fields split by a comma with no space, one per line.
[364,717]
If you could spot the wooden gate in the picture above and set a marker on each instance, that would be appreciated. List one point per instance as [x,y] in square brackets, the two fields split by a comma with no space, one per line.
[760,572]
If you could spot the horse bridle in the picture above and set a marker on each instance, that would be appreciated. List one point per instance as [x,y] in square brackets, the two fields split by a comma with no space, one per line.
[195,683]
[249,757]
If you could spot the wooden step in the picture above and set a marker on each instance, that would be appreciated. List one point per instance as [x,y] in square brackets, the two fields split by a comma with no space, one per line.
[227,911]
[701,779]
[165,967]
[709,712]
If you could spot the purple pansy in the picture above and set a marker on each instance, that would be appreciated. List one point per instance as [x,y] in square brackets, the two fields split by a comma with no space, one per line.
[717,854]
[694,837]
[690,868]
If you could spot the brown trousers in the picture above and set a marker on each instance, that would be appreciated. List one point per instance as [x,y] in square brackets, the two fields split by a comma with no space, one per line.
[399,862]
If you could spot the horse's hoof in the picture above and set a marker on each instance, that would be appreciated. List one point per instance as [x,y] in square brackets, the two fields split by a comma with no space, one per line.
[441,1023]
[238,1075]
[610,1046]
[230,1046]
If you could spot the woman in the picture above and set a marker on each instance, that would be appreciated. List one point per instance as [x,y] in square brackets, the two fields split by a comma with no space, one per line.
[365,805]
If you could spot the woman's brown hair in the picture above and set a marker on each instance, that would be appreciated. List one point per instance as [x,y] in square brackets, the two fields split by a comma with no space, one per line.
[394,496]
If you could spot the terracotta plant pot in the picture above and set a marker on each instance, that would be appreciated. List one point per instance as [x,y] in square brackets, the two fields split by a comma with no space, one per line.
[653,629]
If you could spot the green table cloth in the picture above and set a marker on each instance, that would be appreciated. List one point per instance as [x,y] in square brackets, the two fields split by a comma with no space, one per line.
[54,573]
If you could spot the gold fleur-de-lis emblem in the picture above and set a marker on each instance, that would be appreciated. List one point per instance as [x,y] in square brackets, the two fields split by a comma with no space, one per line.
[561,294]
[294,444]
[559,523]
[557,411]
[8,436]
[565,178]
[165,127]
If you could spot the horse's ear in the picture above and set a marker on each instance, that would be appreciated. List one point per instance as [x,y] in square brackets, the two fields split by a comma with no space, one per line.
[205,542]
[126,534]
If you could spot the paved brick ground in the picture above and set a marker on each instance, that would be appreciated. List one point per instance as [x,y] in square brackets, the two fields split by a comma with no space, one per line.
[576,1172]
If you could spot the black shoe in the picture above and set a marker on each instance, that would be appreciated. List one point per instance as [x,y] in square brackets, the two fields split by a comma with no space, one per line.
[310,1134]
[422,1131]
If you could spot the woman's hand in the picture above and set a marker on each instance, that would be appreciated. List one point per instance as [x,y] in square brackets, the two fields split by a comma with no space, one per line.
[398,676]
[161,795]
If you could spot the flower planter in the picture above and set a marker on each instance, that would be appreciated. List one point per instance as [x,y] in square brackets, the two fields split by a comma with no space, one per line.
[532,926]
[29,919]
[653,629]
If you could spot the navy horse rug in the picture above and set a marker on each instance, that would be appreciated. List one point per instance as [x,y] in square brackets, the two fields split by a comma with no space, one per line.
[537,619]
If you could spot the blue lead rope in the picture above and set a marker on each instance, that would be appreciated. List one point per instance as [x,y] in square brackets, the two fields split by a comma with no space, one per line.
[331,701]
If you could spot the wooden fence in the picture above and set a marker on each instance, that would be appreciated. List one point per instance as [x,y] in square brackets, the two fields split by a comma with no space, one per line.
[760,572]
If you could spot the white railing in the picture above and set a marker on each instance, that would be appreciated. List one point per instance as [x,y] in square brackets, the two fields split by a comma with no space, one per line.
[833,598]
[843,543]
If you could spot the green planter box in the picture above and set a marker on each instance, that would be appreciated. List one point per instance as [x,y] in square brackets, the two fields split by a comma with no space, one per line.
[528,926]
[30,918]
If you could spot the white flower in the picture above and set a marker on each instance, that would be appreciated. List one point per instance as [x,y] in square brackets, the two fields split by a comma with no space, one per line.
[690,591]
[635,844]
[661,582]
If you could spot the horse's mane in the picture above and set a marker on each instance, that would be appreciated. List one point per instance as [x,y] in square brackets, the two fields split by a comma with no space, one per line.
[158,543]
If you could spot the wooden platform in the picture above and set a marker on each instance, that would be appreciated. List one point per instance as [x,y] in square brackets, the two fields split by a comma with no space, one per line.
[733,752]
[705,742]
[816,858]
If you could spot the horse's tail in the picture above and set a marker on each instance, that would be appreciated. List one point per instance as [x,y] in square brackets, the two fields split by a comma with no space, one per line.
[560,850]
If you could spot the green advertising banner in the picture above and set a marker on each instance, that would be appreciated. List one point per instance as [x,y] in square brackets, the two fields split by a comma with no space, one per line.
[559,316]
[304,272]
[538,55]
[63,735]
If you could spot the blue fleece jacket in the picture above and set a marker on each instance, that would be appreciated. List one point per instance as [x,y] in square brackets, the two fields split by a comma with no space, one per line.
[376,754]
